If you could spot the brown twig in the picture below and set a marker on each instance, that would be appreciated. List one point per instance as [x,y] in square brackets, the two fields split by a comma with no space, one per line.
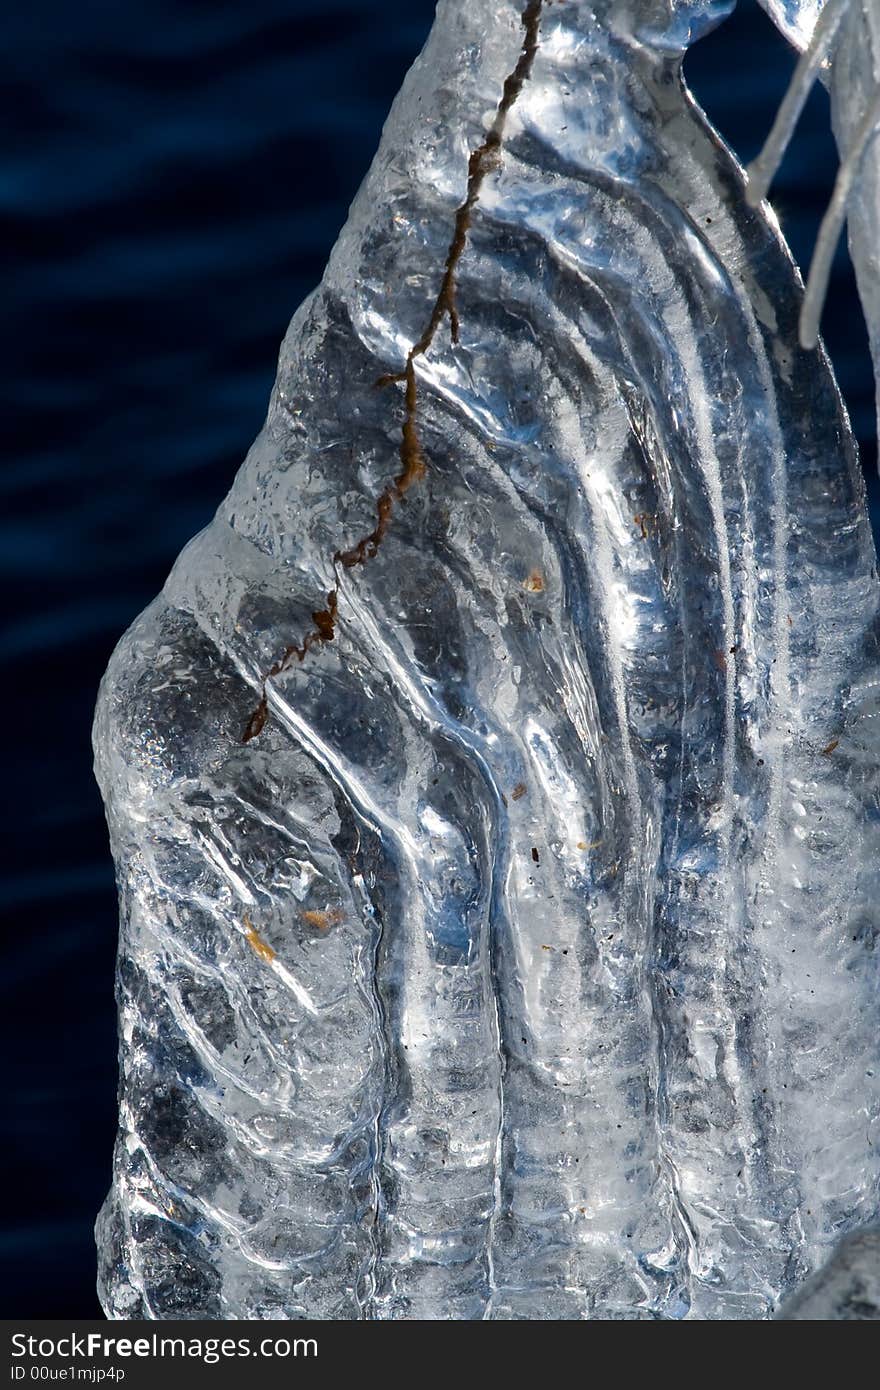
[482,160]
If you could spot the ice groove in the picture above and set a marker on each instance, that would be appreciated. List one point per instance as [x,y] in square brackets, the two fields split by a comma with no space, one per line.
[497,974]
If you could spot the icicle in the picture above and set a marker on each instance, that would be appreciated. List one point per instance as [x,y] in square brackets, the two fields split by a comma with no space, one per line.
[519,966]
[829,232]
[761,171]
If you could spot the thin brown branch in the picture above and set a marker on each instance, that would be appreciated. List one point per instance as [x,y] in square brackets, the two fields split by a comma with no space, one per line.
[413,466]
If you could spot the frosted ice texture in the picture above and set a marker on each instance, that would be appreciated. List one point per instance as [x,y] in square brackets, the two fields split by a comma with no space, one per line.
[845,1289]
[523,965]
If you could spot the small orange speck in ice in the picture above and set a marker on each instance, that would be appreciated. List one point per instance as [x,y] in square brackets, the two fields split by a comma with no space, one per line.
[256,942]
[323,920]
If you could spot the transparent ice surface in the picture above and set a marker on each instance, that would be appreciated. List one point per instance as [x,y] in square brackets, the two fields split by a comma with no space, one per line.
[522,961]
[796,19]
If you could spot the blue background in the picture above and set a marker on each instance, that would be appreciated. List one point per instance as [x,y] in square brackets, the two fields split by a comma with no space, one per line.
[173,175]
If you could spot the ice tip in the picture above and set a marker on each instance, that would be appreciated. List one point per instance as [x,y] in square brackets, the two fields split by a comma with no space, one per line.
[808,333]
[757,184]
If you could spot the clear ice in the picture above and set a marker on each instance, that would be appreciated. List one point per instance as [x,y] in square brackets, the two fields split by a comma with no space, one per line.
[494,785]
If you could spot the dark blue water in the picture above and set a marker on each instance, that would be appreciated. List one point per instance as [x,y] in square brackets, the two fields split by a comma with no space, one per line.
[173,174]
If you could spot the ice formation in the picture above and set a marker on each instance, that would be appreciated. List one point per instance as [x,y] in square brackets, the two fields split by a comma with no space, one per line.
[494,785]
[846,1288]
[844,46]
